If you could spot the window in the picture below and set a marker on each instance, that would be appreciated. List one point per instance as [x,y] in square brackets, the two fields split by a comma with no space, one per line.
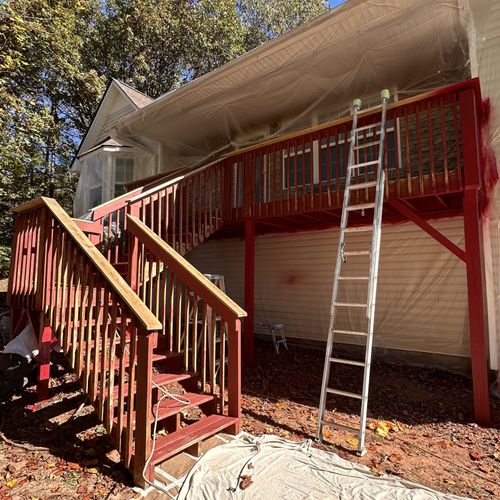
[297,166]
[124,173]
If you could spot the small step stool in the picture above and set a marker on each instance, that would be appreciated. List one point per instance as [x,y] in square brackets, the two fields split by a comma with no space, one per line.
[278,334]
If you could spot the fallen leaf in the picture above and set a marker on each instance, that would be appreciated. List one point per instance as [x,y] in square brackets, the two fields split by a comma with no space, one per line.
[352,441]
[11,483]
[92,470]
[474,455]
[50,466]
[327,433]
[81,490]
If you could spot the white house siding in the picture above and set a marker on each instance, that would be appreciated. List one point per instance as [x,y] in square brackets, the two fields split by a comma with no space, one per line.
[121,108]
[422,303]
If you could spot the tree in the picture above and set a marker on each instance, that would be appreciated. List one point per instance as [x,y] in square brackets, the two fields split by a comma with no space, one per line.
[46,98]
[267,19]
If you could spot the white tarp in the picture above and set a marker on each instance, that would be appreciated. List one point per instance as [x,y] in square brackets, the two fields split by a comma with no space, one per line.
[283,470]
[309,76]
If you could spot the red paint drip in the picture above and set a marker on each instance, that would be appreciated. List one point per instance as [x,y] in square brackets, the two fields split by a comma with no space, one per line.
[489,170]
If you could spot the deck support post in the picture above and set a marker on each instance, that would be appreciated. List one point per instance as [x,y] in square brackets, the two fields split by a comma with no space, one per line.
[248,339]
[471,127]
[475,296]
[44,348]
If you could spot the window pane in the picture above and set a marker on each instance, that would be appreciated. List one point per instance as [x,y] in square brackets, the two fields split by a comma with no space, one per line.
[95,196]
[124,169]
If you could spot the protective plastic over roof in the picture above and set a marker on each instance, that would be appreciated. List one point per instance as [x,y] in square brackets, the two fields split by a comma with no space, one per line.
[309,76]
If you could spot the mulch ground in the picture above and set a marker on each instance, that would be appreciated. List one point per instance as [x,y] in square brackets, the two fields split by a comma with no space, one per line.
[57,449]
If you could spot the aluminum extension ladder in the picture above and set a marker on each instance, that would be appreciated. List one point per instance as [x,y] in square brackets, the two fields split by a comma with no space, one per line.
[374,251]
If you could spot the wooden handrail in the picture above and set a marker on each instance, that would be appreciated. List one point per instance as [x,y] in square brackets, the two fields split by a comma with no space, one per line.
[204,287]
[119,285]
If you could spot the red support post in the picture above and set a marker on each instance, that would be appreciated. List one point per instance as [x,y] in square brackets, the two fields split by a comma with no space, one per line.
[474,257]
[234,375]
[144,403]
[248,341]
[475,294]
[44,348]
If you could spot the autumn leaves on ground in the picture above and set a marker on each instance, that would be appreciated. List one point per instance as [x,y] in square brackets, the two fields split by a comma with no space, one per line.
[420,423]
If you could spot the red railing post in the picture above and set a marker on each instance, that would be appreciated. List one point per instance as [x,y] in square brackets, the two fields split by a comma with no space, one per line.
[474,258]
[234,373]
[143,440]
[133,256]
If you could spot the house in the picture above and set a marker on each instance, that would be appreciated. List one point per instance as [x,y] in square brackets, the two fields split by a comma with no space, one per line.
[243,173]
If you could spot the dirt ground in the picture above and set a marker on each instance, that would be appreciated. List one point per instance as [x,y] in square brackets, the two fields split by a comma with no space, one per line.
[65,453]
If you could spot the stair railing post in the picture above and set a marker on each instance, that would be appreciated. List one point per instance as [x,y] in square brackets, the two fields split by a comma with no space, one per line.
[133,254]
[143,439]
[234,373]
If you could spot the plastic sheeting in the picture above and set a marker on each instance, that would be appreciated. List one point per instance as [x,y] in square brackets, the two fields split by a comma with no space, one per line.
[97,181]
[309,76]
[292,471]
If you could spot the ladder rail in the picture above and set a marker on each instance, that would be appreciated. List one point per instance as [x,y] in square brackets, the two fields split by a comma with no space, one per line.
[372,284]
[338,266]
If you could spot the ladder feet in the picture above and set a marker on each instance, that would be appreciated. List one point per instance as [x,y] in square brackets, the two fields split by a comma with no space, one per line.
[361,453]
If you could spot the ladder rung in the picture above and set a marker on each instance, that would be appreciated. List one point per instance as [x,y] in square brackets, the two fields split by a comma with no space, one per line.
[354,278]
[366,145]
[350,332]
[366,127]
[347,362]
[356,252]
[350,304]
[339,426]
[363,185]
[364,164]
[358,229]
[344,393]
[363,206]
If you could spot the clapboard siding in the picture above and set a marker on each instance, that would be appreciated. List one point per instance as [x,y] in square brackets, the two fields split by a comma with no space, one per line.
[121,108]
[422,302]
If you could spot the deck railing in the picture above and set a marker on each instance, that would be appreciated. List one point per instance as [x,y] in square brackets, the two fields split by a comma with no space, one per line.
[106,331]
[198,319]
[306,170]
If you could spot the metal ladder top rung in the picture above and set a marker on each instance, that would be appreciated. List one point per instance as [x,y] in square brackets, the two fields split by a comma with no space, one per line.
[347,362]
[355,253]
[367,127]
[366,145]
[363,206]
[344,393]
[358,229]
[350,332]
[363,185]
[364,164]
[350,304]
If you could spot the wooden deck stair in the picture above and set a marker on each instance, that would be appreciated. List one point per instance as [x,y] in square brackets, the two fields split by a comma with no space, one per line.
[128,327]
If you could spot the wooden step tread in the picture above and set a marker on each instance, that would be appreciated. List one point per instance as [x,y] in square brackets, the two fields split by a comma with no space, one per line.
[171,444]
[170,407]
[161,379]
